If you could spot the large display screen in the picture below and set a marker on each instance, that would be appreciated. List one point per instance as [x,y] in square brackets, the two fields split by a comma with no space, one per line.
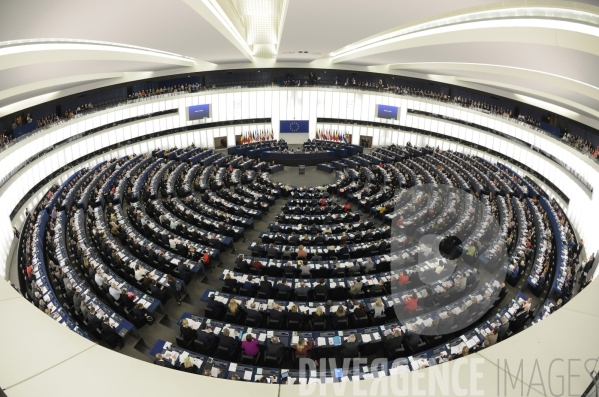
[198,112]
[291,126]
[387,112]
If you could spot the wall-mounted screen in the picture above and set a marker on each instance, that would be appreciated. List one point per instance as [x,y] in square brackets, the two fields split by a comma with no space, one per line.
[387,112]
[291,126]
[198,112]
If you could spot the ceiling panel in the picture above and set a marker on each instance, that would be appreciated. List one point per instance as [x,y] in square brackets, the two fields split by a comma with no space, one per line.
[164,25]
[325,26]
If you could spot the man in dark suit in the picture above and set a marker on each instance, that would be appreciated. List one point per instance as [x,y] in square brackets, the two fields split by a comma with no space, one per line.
[289,268]
[249,284]
[318,239]
[151,255]
[272,250]
[275,313]
[349,347]
[252,312]
[93,322]
[206,335]
[163,363]
[338,271]
[321,288]
[283,286]
[276,227]
[376,289]
[257,250]
[265,286]
[412,337]
[182,250]
[461,319]
[445,325]
[383,247]
[274,347]
[279,239]
[393,339]
[161,260]
[183,269]
[343,250]
[503,329]
[578,247]
[225,340]
[586,269]
[215,305]
[472,277]
[302,290]
[293,239]
[107,328]
[354,270]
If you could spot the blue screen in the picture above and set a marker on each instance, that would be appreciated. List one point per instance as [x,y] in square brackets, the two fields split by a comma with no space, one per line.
[387,112]
[198,112]
[291,126]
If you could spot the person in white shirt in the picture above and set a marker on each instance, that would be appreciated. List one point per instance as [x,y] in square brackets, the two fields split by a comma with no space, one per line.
[98,277]
[173,225]
[427,250]
[462,283]
[114,291]
[172,242]
[139,272]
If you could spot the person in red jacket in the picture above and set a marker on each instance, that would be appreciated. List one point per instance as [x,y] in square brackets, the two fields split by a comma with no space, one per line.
[256,264]
[402,279]
[411,304]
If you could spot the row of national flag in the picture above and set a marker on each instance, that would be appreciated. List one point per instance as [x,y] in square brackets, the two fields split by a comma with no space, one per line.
[257,136]
[329,135]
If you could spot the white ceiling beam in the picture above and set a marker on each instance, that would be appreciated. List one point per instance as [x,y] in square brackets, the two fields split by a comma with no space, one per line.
[45,51]
[284,8]
[562,34]
[212,12]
